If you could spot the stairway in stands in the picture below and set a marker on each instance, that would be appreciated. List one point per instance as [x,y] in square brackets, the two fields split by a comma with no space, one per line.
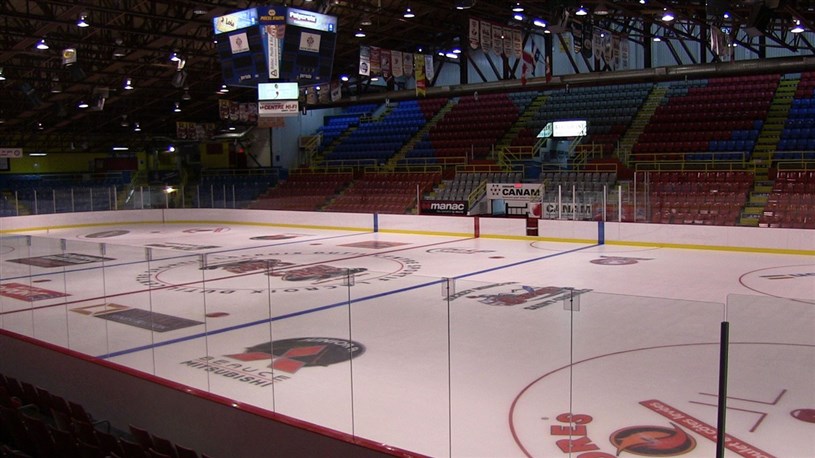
[639,122]
[766,144]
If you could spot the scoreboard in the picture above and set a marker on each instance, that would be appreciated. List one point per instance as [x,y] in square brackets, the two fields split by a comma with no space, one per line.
[275,43]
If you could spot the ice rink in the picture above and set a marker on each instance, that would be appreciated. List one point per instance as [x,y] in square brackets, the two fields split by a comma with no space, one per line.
[441,345]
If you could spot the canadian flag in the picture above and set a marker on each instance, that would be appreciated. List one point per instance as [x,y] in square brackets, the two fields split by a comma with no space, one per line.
[528,66]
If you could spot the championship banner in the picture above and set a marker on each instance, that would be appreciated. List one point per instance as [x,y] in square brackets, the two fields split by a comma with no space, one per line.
[429,69]
[577,36]
[336,91]
[597,43]
[486,36]
[586,47]
[517,43]
[385,58]
[407,62]
[421,81]
[497,39]
[475,37]
[615,52]
[310,42]
[608,52]
[624,53]
[547,50]
[376,61]
[397,68]
[509,45]
[364,60]
[238,43]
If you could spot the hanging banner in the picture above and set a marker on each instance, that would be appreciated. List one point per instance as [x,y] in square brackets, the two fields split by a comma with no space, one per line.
[274,36]
[547,50]
[509,44]
[517,43]
[577,35]
[336,91]
[624,56]
[421,81]
[365,60]
[429,69]
[11,152]
[597,43]
[608,50]
[385,60]
[486,36]
[376,61]
[407,63]
[396,64]
[586,48]
[497,39]
[615,52]
[475,38]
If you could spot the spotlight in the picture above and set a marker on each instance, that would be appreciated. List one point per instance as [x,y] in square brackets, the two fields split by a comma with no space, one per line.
[42,45]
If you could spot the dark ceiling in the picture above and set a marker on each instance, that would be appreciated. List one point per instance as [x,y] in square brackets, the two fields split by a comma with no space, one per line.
[134,39]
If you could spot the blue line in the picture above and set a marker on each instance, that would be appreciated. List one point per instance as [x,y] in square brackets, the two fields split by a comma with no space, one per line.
[331,306]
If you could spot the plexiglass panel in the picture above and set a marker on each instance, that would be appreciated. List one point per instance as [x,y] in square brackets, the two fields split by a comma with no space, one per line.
[771,366]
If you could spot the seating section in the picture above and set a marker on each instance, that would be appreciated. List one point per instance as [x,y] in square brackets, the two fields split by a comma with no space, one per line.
[609,111]
[797,140]
[716,119]
[792,201]
[379,140]
[336,125]
[59,193]
[227,190]
[384,193]
[579,181]
[473,126]
[304,191]
[697,197]
[36,423]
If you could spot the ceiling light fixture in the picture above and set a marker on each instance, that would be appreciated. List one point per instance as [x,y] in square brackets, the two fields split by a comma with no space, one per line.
[797,28]
[136,127]
[539,22]
[82,104]
[601,9]
[2,76]
[83,20]
[128,84]
[366,20]
[186,95]
[409,13]
[517,8]
[464,4]
[174,57]
[223,89]
[582,11]
[667,16]
[518,17]
[177,107]
[360,33]
[42,45]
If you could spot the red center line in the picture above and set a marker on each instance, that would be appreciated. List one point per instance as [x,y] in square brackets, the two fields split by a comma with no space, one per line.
[227,277]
